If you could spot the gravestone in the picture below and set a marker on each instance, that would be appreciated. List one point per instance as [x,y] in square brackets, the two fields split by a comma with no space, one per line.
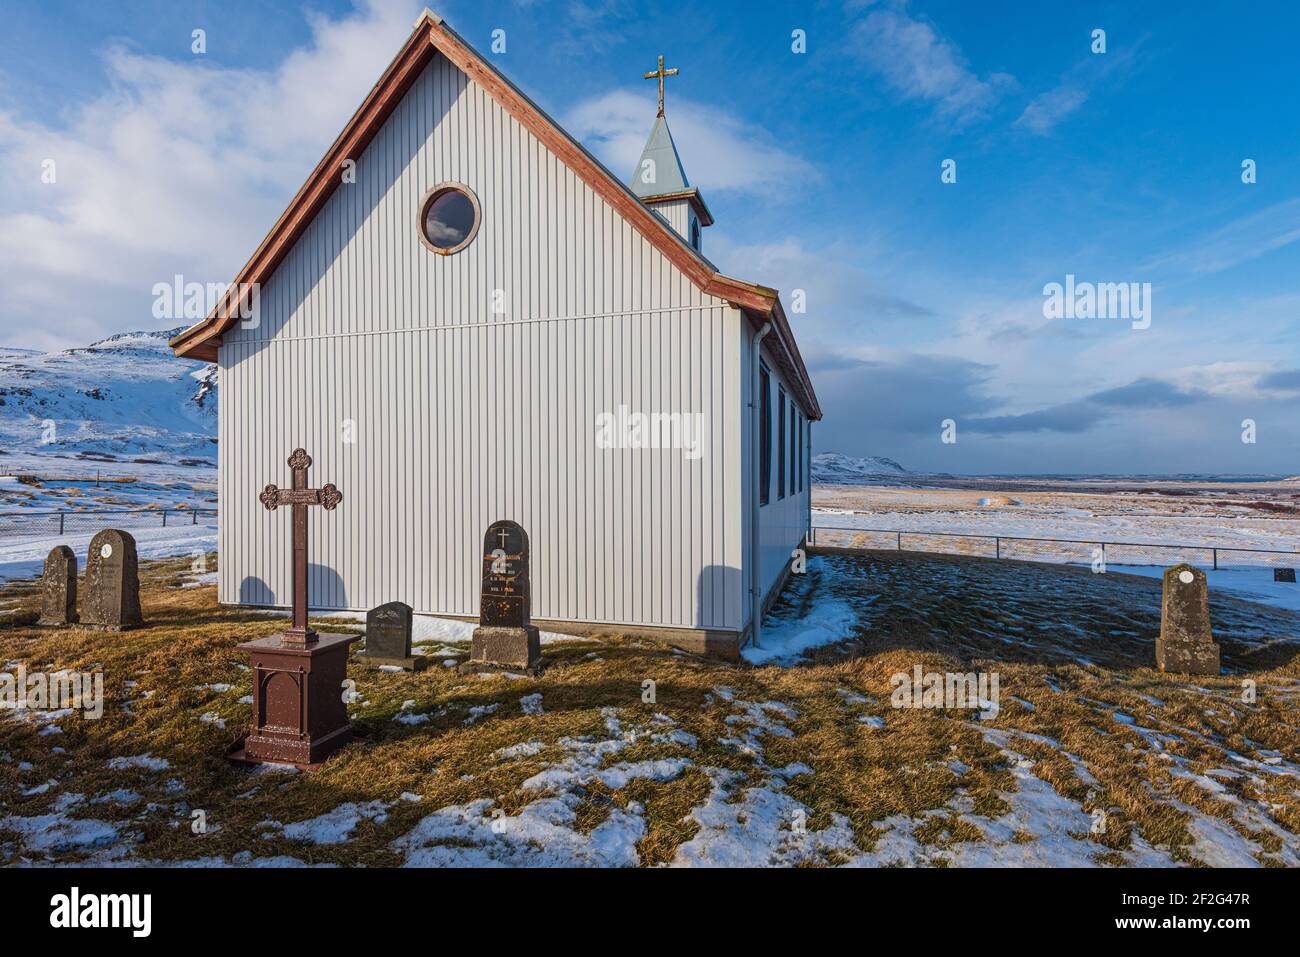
[388,638]
[1186,643]
[59,588]
[1284,575]
[112,601]
[505,639]
[299,716]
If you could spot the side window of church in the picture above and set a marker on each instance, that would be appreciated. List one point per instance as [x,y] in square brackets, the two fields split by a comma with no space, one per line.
[780,446]
[801,451]
[765,442]
[794,446]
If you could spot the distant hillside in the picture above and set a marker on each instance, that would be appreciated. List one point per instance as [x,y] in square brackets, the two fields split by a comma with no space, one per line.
[125,398]
[832,468]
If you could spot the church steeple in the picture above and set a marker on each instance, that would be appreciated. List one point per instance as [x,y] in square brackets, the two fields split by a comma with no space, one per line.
[660,180]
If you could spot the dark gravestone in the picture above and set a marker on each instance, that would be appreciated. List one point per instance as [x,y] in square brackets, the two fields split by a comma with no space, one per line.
[1284,575]
[388,638]
[59,588]
[505,639]
[1186,643]
[112,601]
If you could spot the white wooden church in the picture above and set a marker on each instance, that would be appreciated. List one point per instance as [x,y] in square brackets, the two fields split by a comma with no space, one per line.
[463,317]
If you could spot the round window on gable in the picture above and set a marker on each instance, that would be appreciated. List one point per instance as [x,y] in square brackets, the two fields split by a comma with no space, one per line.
[449,218]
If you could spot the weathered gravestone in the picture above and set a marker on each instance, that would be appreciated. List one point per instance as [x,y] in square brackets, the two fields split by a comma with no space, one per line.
[59,588]
[505,639]
[299,716]
[1186,643]
[1284,575]
[112,601]
[388,638]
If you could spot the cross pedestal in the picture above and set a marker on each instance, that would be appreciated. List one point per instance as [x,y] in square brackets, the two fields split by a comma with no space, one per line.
[299,716]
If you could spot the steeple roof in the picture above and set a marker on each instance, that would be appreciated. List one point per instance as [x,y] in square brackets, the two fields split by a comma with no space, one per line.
[661,151]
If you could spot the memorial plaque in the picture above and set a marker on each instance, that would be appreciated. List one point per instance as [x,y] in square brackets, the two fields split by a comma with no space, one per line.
[1186,643]
[388,638]
[1284,575]
[505,639]
[59,588]
[112,583]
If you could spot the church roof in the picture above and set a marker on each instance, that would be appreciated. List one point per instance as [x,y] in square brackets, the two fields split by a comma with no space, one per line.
[661,152]
[433,36]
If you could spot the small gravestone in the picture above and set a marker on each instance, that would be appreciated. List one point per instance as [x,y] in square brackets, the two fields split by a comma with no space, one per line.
[59,588]
[505,639]
[1186,644]
[1284,575]
[112,601]
[388,638]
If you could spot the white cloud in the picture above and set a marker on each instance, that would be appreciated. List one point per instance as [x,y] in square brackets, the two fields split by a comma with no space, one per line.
[179,167]
[921,65]
[719,151]
[1047,109]
[1239,241]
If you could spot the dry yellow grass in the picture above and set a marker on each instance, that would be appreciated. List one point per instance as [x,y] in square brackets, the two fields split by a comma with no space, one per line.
[939,766]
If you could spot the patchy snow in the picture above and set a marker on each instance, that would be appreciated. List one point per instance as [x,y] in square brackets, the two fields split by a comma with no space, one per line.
[336,826]
[540,835]
[764,828]
[146,761]
[808,617]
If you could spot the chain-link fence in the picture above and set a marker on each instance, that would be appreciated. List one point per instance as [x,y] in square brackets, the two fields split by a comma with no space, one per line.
[1075,551]
[35,526]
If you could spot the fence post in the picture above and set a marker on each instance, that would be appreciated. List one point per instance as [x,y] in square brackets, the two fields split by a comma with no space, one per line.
[900,541]
[997,545]
[60,524]
[1216,559]
[164,518]
[195,515]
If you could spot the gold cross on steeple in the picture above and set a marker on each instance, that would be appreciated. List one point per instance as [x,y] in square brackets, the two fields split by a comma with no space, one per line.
[659,75]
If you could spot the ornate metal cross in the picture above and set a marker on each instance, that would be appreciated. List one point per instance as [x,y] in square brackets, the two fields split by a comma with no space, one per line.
[659,74]
[300,496]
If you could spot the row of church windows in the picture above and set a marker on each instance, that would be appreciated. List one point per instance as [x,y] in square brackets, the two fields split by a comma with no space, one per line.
[791,466]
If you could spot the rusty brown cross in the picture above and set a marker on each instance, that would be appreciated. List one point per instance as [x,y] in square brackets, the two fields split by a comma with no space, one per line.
[300,496]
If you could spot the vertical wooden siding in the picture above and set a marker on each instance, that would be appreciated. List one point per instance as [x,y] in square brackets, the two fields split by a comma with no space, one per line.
[464,408]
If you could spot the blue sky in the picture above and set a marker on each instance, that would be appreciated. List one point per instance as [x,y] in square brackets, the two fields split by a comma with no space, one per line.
[924,298]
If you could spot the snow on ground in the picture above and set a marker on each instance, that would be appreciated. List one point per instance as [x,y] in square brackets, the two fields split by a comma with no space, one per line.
[430,635]
[1176,527]
[122,398]
[812,614]
[1255,584]
[27,559]
[1012,518]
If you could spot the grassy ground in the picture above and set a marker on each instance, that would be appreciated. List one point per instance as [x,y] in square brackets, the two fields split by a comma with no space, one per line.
[1095,757]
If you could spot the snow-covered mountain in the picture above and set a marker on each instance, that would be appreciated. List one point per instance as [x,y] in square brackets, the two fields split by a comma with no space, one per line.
[832,468]
[123,399]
